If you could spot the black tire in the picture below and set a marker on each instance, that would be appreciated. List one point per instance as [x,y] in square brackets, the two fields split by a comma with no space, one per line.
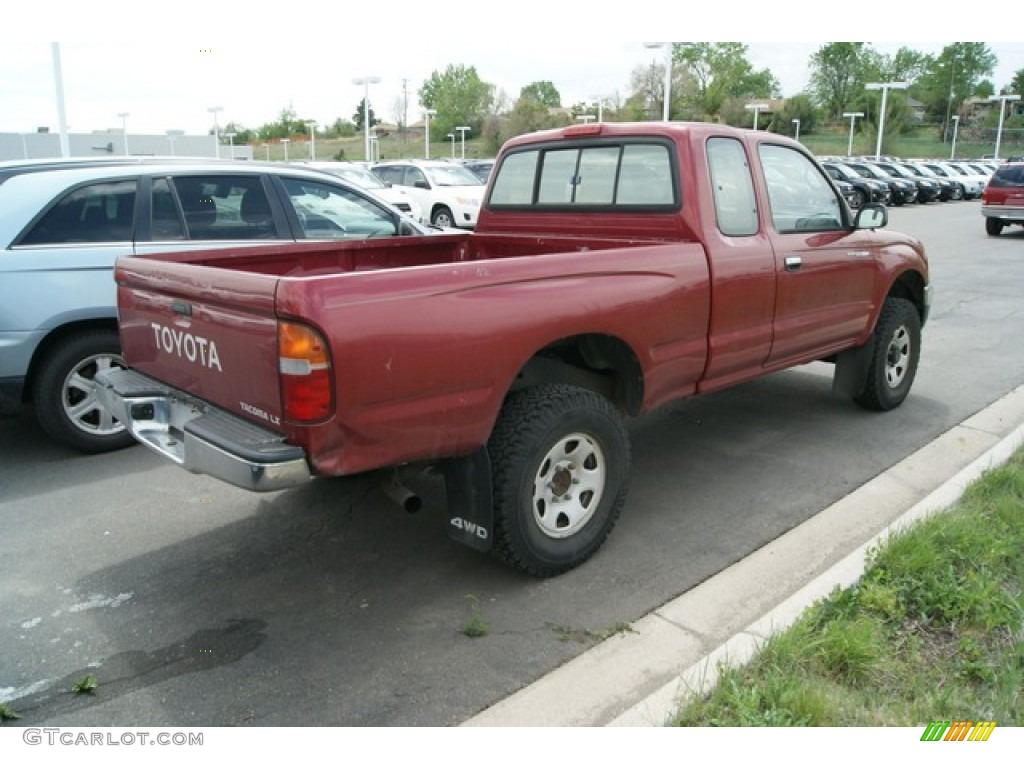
[560,460]
[63,396]
[442,217]
[896,350]
[993,226]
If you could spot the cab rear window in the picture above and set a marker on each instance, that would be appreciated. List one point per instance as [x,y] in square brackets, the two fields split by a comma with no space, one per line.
[606,175]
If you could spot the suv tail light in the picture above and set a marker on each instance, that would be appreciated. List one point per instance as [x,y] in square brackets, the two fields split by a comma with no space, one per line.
[305,369]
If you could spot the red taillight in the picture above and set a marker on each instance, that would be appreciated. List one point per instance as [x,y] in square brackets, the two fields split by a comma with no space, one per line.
[305,368]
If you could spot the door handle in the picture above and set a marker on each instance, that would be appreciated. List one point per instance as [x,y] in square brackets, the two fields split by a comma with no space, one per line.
[793,263]
[861,254]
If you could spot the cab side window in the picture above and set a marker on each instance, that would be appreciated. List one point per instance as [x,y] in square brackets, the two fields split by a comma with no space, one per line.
[732,188]
[800,197]
[96,213]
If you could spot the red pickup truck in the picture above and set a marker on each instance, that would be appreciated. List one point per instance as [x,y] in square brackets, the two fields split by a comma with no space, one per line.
[614,268]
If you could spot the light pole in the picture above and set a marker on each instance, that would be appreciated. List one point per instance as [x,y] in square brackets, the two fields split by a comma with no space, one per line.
[426,132]
[853,119]
[285,142]
[956,124]
[366,82]
[757,108]
[374,148]
[231,143]
[796,122]
[599,100]
[216,130]
[171,136]
[1002,110]
[884,88]
[462,132]
[668,75]
[266,146]
[452,137]
[312,139]
[586,118]
[124,129]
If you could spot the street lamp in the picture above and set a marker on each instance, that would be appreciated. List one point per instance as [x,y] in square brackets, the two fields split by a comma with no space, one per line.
[374,147]
[366,82]
[462,131]
[599,100]
[796,122]
[884,88]
[586,118]
[124,129]
[216,129]
[231,142]
[266,146]
[956,124]
[668,74]
[757,108]
[1002,109]
[171,136]
[853,118]
[426,132]
[452,137]
[285,142]
[312,139]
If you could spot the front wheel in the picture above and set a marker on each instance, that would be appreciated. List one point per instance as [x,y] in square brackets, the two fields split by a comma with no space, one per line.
[64,393]
[993,226]
[442,217]
[560,458]
[896,350]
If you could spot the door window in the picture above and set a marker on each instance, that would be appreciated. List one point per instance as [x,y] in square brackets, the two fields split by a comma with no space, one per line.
[96,213]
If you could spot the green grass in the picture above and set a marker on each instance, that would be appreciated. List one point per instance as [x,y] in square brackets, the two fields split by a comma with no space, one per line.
[934,630]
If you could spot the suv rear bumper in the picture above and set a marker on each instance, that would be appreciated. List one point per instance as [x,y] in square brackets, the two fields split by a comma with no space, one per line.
[199,437]
[1004,212]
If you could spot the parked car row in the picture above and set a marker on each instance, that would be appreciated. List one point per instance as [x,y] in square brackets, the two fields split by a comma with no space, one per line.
[894,181]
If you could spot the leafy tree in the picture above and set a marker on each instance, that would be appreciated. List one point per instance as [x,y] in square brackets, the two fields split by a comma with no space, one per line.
[542,92]
[952,77]
[721,71]
[799,107]
[361,110]
[459,96]
[242,135]
[287,124]
[837,76]
[1017,84]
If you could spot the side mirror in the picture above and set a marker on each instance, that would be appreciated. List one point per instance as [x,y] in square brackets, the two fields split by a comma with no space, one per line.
[421,185]
[871,216]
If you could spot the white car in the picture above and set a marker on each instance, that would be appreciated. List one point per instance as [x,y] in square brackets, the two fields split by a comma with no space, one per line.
[449,194]
[364,178]
[972,184]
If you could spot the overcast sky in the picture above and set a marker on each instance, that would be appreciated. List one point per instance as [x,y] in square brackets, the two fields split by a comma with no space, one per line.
[257,60]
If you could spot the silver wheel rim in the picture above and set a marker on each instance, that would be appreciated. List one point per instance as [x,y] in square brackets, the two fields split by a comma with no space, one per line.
[897,357]
[568,486]
[78,396]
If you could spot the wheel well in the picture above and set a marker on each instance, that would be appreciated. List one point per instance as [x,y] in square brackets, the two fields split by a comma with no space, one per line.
[55,337]
[603,364]
[910,286]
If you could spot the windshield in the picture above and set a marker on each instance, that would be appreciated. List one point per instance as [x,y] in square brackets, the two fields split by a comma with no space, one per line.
[364,178]
[451,176]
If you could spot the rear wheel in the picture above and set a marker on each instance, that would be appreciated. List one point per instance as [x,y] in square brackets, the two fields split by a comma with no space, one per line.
[560,458]
[993,226]
[64,393]
[896,349]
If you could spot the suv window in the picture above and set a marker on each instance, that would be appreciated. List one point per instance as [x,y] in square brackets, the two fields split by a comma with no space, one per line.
[224,207]
[391,174]
[95,213]
[1008,176]
[329,212]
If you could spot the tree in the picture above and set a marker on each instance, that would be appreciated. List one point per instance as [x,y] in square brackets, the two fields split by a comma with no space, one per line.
[952,77]
[1017,84]
[721,71]
[542,92]
[838,76]
[357,117]
[459,96]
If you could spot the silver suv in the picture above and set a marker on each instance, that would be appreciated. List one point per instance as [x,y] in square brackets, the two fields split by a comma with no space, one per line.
[63,224]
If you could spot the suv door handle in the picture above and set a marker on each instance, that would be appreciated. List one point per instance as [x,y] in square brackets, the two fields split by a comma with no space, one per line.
[860,254]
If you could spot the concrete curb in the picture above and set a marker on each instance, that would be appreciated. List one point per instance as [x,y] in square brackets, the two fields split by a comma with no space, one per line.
[639,678]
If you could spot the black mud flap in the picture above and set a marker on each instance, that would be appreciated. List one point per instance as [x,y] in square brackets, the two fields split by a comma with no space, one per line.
[470,502]
[851,372]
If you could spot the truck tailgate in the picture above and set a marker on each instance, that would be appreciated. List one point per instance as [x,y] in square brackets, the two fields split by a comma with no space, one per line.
[208,331]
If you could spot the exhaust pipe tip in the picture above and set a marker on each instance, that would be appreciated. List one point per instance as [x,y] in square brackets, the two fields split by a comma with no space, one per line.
[402,496]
